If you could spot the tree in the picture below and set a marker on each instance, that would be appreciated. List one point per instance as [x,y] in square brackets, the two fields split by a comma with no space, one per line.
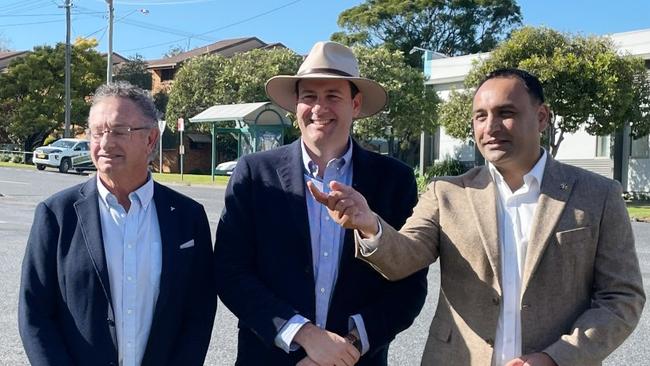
[451,27]
[135,72]
[4,44]
[587,84]
[32,91]
[173,51]
[212,79]
[411,107]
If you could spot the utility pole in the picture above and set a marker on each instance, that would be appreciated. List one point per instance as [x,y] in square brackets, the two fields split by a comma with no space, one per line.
[68,104]
[109,55]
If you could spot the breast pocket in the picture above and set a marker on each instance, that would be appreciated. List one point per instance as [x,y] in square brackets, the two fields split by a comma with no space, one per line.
[574,236]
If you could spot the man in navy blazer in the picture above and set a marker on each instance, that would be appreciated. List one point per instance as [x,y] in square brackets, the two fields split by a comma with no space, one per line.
[118,270]
[282,268]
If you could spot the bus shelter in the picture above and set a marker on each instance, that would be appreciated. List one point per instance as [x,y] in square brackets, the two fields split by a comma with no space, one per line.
[256,126]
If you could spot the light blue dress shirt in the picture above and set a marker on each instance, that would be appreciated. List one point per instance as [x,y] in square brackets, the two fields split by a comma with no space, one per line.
[133,252]
[326,246]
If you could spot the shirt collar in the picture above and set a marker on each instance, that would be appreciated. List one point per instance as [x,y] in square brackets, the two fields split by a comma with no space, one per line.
[311,167]
[536,174]
[144,194]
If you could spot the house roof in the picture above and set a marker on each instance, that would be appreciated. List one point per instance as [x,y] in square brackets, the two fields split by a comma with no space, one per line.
[246,112]
[226,48]
[7,57]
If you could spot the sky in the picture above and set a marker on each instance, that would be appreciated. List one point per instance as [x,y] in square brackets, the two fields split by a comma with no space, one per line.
[151,27]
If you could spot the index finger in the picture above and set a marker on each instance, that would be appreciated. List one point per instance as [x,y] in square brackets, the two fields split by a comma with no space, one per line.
[317,194]
[338,186]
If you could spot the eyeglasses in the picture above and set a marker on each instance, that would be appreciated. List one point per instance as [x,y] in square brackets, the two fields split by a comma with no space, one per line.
[116,132]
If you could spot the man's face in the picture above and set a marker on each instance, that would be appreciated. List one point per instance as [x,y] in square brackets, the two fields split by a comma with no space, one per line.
[507,123]
[120,157]
[325,110]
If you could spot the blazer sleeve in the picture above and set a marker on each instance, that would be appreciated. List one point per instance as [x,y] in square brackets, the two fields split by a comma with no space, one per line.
[617,296]
[401,301]
[238,284]
[37,304]
[200,307]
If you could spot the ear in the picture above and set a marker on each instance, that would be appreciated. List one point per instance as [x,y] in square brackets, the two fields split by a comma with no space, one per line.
[356,104]
[543,115]
[152,138]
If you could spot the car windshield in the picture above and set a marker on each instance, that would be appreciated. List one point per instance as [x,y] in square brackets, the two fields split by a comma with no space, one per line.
[66,144]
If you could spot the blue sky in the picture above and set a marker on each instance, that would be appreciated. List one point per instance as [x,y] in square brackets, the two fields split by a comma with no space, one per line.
[296,23]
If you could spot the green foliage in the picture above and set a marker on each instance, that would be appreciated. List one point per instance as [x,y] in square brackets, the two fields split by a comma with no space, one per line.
[135,72]
[32,91]
[456,114]
[161,99]
[411,107]
[17,158]
[445,168]
[5,158]
[50,139]
[174,51]
[210,80]
[587,84]
[449,26]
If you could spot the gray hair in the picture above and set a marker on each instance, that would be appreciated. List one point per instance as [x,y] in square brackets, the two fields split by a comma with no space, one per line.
[124,89]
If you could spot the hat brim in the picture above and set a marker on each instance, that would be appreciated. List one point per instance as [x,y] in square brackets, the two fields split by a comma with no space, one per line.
[281,90]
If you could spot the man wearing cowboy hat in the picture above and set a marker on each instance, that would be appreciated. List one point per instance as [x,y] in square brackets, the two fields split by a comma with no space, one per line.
[284,268]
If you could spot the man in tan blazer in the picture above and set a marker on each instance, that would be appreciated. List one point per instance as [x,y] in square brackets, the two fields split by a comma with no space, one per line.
[537,258]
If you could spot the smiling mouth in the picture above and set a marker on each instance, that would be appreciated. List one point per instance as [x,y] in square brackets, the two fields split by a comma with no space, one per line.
[321,122]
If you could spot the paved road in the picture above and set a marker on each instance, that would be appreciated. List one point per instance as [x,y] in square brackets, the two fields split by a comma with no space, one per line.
[21,190]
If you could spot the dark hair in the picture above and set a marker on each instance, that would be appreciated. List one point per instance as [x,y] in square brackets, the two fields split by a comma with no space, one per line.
[531,82]
[353,89]
[123,89]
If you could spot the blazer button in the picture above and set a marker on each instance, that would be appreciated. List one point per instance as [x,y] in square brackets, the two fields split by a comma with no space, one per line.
[112,364]
[525,306]
[495,300]
[110,322]
[490,342]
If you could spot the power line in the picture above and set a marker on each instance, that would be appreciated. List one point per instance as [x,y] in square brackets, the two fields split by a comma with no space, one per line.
[47,15]
[216,29]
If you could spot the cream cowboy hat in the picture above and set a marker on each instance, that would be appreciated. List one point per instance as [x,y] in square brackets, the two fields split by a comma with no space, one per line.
[328,60]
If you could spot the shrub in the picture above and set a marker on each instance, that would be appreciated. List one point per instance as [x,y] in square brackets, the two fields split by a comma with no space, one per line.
[5,158]
[17,158]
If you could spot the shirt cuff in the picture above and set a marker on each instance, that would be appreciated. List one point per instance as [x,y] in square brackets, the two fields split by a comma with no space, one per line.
[368,246]
[284,339]
[356,321]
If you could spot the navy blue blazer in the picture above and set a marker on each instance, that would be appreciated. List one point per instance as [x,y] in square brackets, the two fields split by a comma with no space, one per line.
[263,255]
[65,313]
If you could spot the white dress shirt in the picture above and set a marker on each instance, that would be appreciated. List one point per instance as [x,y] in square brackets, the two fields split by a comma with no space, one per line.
[515,215]
[326,246]
[515,212]
[133,252]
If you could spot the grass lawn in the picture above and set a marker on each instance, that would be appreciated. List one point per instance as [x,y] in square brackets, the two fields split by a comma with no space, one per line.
[9,164]
[639,210]
[190,179]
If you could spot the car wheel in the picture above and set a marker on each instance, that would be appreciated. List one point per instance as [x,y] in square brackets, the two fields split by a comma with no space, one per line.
[65,165]
[40,166]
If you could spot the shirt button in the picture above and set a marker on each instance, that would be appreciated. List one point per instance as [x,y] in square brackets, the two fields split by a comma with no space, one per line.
[130,278]
[129,311]
[129,344]
[327,218]
[326,254]
[130,246]
[322,290]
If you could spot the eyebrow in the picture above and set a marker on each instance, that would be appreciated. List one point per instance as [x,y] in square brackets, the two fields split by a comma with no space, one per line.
[500,106]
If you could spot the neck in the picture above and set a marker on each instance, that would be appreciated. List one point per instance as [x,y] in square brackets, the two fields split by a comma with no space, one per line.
[122,188]
[514,174]
[322,155]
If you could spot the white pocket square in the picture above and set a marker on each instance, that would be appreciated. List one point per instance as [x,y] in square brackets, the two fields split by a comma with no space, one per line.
[188,244]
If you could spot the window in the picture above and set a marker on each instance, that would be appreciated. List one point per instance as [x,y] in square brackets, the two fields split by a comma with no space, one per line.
[603,146]
[640,148]
[166,74]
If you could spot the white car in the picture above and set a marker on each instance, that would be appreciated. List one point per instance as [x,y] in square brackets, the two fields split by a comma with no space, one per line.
[225,168]
[64,154]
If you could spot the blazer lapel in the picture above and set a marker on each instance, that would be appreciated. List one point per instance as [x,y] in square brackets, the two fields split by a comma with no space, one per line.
[554,193]
[169,229]
[482,195]
[290,173]
[87,209]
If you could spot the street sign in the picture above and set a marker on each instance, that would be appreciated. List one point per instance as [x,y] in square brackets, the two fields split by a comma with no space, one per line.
[161,126]
[181,124]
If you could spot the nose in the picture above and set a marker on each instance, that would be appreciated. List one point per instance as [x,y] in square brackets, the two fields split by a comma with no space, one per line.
[318,107]
[492,124]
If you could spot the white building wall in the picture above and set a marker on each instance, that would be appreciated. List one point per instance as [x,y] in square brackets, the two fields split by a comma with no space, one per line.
[638,178]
